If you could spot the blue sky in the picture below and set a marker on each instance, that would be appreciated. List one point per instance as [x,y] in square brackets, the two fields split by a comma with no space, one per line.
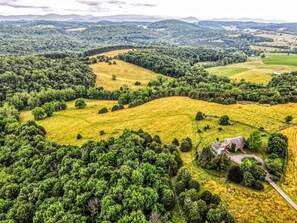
[203,9]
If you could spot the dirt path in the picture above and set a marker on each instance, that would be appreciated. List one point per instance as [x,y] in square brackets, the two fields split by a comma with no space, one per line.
[237,158]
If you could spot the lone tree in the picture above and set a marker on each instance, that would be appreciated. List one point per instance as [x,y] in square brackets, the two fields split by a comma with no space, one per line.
[80,103]
[199,116]
[254,141]
[235,174]
[38,113]
[289,119]
[186,145]
[224,120]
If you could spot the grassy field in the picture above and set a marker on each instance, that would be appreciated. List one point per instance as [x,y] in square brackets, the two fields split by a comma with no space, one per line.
[112,53]
[126,74]
[158,117]
[290,181]
[174,117]
[281,59]
[255,70]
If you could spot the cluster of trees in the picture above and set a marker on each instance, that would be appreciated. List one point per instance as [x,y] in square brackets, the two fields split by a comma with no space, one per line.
[199,206]
[28,74]
[249,173]
[118,180]
[48,109]
[209,160]
[278,145]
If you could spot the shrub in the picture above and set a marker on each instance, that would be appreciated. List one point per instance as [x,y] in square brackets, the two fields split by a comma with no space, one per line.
[137,83]
[80,103]
[185,146]
[224,120]
[103,110]
[102,133]
[38,113]
[175,142]
[113,77]
[289,119]
[157,139]
[79,136]
[199,116]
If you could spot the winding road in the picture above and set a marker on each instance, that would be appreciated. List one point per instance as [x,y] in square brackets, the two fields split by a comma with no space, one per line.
[237,158]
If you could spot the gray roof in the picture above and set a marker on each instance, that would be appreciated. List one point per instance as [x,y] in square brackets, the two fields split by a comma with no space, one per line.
[216,145]
[239,141]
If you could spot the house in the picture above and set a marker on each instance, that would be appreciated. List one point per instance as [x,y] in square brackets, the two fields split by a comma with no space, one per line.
[239,143]
[277,74]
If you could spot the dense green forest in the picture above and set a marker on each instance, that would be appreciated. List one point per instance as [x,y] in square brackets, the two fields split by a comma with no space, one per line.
[119,180]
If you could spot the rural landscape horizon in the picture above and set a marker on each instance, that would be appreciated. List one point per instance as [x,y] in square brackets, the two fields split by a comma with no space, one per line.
[134,111]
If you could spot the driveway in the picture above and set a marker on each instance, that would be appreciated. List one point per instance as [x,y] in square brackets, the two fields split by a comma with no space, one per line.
[237,158]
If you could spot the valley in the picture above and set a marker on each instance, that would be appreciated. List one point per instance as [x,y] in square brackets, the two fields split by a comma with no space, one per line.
[140,121]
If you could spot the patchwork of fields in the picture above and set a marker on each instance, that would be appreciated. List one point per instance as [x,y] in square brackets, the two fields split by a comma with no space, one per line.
[174,117]
[256,70]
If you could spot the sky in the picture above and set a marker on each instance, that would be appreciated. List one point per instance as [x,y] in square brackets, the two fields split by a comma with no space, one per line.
[201,9]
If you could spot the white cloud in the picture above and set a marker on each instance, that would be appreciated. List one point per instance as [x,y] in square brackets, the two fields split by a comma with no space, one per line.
[267,9]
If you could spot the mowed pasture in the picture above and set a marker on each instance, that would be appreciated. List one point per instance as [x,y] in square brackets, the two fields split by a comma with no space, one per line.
[281,59]
[173,117]
[256,70]
[126,74]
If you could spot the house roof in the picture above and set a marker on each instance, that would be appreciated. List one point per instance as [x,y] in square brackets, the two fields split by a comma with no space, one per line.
[239,141]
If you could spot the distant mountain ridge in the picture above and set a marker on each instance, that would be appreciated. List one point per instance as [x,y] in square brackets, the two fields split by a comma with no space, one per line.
[122,18]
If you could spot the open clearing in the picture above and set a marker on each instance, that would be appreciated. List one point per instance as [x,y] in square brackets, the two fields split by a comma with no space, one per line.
[174,117]
[112,53]
[126,74]
[255,70]
[281,59]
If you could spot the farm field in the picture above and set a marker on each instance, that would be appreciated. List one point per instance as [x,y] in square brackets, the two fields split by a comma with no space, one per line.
[112,53]
[174,117]
[126,74]
[255,70]
[281,59]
